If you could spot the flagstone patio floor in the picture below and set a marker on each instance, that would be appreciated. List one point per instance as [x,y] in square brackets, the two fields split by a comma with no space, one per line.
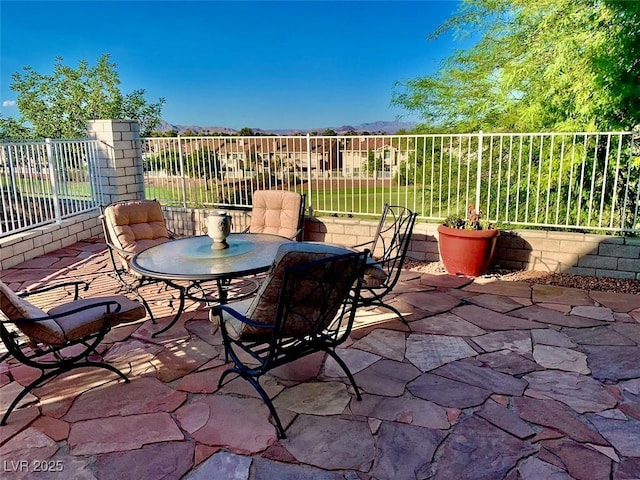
[487,380]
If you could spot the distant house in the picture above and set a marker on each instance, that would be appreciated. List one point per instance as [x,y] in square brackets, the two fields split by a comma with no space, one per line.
[382,155]
[279,157]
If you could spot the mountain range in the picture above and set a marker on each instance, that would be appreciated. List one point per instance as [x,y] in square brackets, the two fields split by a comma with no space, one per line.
[387,127]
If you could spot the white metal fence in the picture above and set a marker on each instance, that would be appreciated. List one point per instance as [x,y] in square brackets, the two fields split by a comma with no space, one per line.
[583,181]
[576,181]
[46,181]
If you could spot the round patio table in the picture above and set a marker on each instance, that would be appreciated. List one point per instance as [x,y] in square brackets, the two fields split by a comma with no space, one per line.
[192,259]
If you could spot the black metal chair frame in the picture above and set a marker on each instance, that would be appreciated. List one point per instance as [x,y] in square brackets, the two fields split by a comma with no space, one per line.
[392,237]
[50,359]
[277,348]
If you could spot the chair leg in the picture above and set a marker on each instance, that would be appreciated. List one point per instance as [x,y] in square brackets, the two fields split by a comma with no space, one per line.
[346,370]
[176,317]
[53,373]
[269,404]
[146,306]
[265,398]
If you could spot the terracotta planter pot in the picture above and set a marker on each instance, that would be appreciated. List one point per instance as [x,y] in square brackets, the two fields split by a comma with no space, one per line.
[466,252]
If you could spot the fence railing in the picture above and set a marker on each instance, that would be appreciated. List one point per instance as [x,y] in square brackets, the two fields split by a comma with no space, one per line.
[46,181]
[576,181]
[583,181]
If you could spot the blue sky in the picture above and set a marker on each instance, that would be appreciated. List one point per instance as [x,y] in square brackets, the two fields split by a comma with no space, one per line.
[265,64]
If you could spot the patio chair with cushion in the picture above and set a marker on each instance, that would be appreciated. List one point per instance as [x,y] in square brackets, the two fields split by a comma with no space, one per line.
[388,250]
[303,306]
[42,339]
[129,227]
[278,212]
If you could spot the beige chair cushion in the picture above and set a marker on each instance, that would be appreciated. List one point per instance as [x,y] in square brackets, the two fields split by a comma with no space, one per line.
[135,226]
[17,308]
[86,322]
[263,307]
[72,327]
[276,212]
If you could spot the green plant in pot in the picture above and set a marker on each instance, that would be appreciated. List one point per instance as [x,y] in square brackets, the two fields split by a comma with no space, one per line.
[467,244]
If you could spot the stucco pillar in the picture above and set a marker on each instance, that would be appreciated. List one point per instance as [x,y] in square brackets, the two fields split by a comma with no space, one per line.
[121,172]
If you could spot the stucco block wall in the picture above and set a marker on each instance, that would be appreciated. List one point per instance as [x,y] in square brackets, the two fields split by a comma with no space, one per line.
[576,253]
[20,247]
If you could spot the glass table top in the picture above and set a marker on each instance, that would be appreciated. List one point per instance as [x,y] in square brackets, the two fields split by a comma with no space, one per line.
[192,258]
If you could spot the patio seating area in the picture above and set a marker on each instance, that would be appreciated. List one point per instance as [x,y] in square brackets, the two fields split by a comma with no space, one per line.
[485,379]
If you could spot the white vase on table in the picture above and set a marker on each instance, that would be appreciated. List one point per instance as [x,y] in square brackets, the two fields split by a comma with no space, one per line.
[218,228]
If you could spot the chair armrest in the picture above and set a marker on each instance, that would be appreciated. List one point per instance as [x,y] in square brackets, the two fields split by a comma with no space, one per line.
[77,284]
[119,250]
[106,303]
[219,308]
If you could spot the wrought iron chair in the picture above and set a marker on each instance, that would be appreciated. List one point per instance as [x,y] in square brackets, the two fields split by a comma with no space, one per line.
[388,250]
[303,306]
[279,212]
[129,227]
[41,339]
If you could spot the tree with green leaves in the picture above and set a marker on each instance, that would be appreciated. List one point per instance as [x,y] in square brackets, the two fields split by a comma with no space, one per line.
[246,132]
[374,164]
[60,105]
[539,65]
[10,128]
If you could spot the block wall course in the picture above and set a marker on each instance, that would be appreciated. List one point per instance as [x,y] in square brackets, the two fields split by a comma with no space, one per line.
[44,239]
[121,126]
[75,228]
[602,239]
[516,254]
[614,274]
[632,241]
[619,250]
[69,240]
[23,247]
[8,251]
[598,262]
[629,265]
[565,257]
[538,234]
[545,244]
[509,264]
[12,261]
[540,264]
[128,136]
[577,246]
[123,144]
[581,271]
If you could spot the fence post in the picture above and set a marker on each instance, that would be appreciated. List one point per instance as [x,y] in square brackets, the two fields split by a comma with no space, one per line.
[479,173]
[120,159]
[54,181]
[182,179]
[309,203]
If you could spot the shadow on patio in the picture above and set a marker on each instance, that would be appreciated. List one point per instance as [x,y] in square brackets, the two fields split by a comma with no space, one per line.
[490,379]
